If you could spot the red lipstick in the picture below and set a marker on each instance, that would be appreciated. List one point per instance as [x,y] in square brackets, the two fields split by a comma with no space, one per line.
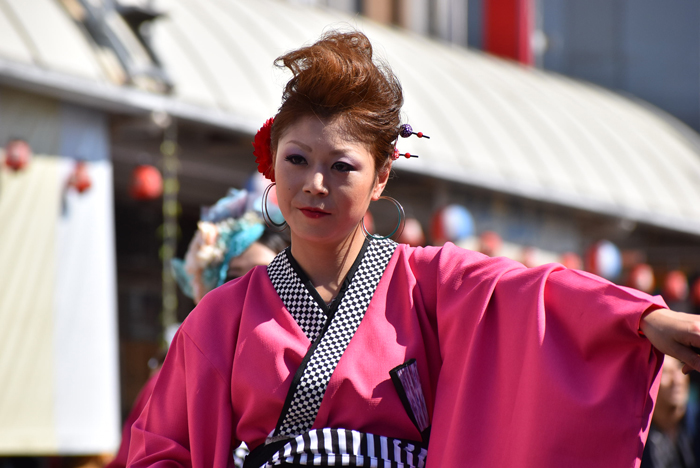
[313,213]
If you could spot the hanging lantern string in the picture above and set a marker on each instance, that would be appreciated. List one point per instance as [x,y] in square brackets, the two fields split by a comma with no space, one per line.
[169,153]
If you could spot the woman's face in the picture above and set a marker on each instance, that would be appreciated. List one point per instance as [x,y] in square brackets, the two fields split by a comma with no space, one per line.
[324,181]
[255,255]
[674,385]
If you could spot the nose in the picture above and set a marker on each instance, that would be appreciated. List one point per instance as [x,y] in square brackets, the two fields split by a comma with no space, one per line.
[315,183]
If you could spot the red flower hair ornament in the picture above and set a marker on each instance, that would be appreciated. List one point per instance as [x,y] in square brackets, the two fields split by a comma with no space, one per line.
[262,152]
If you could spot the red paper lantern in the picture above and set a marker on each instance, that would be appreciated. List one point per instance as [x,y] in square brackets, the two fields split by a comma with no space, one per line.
[18,153]
[80,178]
[675,286]
[490,243]
[696,292]
[146,183]
[572,260]
[412,233]
[641,277]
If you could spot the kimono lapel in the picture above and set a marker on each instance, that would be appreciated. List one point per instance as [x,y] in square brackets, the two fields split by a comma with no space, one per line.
[331,338]
[296,296]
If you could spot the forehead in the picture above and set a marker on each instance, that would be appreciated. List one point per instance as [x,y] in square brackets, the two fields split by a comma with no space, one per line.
[671,364]
[332,132]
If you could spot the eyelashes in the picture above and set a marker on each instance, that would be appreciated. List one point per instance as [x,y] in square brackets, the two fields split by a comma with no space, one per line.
[339,166]
[295,159]
[343,167]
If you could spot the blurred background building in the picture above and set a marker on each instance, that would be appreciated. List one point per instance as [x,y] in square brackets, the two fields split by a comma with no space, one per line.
[120,118]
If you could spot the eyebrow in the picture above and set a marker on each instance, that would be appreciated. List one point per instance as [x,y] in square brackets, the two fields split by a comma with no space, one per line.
[305,147]
[302,145]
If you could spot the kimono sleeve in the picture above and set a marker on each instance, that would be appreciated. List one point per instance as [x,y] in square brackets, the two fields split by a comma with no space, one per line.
[540,367]
[187,421]
[141,400]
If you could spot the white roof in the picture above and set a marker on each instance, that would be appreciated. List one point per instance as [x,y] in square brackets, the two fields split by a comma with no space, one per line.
[493,124]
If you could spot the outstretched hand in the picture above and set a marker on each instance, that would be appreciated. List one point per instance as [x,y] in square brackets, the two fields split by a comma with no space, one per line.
[675,334]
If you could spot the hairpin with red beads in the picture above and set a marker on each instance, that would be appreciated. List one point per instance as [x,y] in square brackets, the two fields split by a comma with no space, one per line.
[405,155]
[406,131]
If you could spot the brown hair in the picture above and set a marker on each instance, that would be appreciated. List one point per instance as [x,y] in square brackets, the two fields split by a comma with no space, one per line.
[337,78]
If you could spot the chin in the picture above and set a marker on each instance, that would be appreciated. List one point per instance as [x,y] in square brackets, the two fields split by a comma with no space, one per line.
[318,237]
[321,236]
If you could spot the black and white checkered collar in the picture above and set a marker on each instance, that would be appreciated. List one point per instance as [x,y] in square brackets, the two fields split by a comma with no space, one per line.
[334,334]
[300,296]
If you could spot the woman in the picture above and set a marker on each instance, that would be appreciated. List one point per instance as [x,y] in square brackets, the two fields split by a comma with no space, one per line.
[352,350]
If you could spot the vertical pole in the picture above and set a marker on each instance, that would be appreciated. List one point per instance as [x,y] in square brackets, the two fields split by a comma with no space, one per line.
[171,186]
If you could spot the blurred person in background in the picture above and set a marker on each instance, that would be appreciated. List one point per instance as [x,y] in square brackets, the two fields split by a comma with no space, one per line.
[669,444]
[231,239]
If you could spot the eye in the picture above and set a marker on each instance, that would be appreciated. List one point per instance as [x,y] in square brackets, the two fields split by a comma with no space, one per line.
[343,167]
[295,159]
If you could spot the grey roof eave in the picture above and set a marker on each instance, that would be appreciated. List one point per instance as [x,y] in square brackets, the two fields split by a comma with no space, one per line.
[124,100]
[112,98]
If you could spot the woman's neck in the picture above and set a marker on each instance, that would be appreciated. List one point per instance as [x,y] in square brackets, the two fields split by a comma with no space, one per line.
[327,264]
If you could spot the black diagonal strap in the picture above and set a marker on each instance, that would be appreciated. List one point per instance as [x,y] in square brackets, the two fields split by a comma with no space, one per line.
[304,399]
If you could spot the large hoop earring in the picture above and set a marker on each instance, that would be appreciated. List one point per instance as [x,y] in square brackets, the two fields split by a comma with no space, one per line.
[277,227]
[399,225]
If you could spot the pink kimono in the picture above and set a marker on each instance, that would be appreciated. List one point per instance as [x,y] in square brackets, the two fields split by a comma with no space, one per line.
[539,367]
[141,400]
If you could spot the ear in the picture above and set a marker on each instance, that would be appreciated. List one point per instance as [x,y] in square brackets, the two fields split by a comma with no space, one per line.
[380,182]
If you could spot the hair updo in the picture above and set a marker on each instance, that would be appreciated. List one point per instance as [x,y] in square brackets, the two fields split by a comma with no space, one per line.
[336,79]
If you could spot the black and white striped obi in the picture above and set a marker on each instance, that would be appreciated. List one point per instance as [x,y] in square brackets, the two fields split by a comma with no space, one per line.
[330,329]
[342,447]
